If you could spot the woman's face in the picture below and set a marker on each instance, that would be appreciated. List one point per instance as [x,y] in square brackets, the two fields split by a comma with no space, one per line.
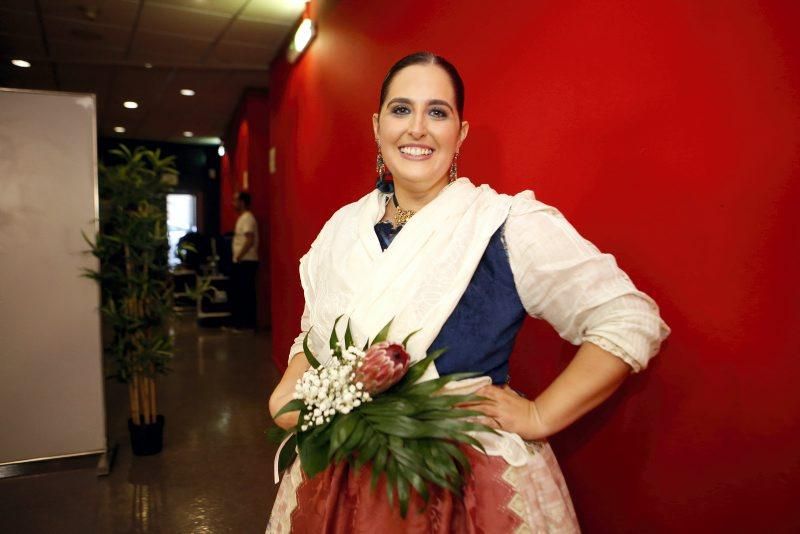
[418,127]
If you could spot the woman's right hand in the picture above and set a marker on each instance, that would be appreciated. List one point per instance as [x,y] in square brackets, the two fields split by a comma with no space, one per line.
[284,391]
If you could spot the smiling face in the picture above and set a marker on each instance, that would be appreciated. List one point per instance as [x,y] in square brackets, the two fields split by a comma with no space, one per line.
[418,127]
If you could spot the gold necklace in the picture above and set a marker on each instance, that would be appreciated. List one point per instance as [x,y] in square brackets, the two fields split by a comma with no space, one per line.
[401,216]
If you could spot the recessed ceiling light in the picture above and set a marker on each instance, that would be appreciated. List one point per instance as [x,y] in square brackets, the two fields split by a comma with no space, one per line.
[187,92]
[130,104]
[20,63]
[188,134]
[119,129]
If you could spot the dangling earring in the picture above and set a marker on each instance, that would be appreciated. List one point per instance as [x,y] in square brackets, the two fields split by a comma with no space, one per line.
[383,184]
[454,169]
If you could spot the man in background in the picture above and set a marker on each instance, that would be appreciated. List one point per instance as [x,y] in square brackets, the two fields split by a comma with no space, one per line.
[245,265]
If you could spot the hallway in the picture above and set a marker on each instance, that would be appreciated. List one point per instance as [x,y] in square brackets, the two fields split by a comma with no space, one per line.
[214,474]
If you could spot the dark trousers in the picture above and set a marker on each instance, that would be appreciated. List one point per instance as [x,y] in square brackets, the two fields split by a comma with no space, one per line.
[243,294]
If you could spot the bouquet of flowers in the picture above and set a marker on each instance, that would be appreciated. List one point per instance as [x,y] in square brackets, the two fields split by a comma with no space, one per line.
[364,406]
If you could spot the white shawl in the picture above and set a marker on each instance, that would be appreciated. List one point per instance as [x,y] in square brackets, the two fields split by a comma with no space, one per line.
[417,281]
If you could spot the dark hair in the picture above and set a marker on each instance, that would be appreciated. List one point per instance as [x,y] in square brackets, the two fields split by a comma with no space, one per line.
[426,58]
[245,198]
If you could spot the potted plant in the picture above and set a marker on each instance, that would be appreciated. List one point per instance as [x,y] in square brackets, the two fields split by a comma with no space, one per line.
[132,248]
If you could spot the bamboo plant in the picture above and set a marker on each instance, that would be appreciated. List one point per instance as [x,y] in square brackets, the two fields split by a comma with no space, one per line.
[132,248]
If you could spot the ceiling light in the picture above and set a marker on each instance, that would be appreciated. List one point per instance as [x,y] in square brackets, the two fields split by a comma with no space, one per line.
[119,129]
[148,65]
[304,34]
[20,63]
[187,133]
[221,150]
[130,104]
[187,92]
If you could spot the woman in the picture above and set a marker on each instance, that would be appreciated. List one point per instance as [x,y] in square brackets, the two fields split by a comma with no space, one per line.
[465,265]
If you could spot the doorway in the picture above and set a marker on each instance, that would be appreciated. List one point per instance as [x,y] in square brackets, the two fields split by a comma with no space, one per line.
[181,219]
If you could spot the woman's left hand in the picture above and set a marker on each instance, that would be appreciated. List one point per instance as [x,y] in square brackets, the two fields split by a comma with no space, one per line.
[506,410]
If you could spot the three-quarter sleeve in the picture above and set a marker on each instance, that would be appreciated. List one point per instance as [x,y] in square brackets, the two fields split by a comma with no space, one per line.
[565,280]
[305,326]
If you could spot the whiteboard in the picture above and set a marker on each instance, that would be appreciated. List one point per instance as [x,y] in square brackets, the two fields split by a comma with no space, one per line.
[51,377]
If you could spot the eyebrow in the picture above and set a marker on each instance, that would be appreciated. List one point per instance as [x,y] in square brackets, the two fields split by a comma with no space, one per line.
[434,102]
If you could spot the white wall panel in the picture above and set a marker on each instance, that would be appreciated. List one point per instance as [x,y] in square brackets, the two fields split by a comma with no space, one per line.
[51,379]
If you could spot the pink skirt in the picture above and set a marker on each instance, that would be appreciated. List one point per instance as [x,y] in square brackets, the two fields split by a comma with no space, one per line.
[497,498]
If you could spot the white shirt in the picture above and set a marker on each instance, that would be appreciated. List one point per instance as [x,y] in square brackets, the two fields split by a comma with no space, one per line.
[565,280]
[245,224]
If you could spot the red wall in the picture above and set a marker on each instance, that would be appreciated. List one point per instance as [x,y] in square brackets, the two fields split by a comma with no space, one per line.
[247,152]
[667,133]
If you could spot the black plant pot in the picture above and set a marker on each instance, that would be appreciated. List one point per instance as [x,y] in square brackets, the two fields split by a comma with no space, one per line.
[147,439]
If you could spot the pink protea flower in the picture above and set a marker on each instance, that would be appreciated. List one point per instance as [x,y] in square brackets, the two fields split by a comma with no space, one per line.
[384,365]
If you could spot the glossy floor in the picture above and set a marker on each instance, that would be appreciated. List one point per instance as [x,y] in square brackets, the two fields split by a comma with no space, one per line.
[214,474]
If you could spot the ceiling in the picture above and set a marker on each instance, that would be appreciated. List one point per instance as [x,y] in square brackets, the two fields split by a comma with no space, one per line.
[147,51]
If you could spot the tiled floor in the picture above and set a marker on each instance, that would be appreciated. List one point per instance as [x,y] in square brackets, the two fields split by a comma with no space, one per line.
[214,474]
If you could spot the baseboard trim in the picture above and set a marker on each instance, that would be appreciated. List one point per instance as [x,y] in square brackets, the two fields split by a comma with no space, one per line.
[100,460]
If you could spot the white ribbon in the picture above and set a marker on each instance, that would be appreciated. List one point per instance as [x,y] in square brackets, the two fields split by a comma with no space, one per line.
[507,445]
[275,470]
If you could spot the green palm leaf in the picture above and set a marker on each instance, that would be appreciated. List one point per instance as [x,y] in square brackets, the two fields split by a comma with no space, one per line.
[310,357]
[288,454]
[383,334]
[334,337]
